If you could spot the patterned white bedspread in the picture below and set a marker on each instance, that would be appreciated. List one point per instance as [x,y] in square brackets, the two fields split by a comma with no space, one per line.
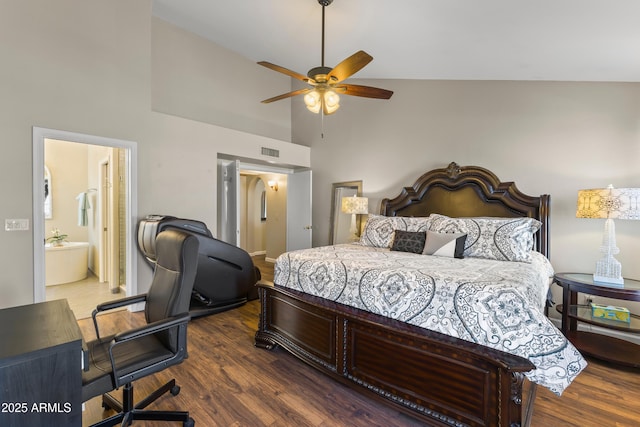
[498,304]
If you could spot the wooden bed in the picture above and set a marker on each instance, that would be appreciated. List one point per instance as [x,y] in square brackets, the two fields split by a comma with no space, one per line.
[441,380]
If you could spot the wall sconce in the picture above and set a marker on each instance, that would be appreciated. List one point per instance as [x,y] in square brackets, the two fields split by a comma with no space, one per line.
[609,203]
[273,185]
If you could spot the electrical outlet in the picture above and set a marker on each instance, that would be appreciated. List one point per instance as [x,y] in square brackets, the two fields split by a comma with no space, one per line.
[16,224]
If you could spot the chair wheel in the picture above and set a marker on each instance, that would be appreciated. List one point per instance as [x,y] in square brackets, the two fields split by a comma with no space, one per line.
[175,390]
[189,423]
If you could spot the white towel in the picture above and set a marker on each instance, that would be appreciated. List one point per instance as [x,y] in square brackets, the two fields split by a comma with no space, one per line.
[83,205]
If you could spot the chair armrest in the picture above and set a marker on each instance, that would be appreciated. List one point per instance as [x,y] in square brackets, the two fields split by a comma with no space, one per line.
[150,328]
[110,305]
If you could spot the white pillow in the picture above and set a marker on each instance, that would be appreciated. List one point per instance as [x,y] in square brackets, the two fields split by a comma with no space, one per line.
[378,231]
[445,244]
[503,239]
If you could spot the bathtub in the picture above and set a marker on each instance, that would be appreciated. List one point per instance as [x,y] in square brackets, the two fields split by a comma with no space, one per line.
[66,263]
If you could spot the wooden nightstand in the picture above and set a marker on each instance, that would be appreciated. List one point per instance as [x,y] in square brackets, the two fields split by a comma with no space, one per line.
[597,345]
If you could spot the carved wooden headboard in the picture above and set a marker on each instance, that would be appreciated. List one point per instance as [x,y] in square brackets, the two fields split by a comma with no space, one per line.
[470,191]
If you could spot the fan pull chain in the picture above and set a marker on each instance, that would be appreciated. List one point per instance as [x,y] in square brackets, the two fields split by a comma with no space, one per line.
[321,124]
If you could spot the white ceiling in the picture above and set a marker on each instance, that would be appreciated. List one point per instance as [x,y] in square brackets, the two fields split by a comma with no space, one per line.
[564,40]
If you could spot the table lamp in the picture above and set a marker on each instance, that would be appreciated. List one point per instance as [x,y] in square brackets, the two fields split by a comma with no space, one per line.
[609,203]
[355,206]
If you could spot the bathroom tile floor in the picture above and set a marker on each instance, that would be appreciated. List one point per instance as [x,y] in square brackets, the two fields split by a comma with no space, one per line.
[83,295]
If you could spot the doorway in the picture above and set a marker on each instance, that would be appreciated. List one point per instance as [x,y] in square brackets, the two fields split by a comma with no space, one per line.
[286,208]
[114,231]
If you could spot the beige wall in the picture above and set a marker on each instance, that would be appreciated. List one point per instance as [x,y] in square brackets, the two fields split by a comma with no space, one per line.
[548,137]
[276,224]
[67,163]
[87,67]
[252,229]
[195,78]
[269,236]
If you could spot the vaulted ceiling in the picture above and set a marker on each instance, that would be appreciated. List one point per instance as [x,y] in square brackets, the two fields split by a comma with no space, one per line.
[563,40]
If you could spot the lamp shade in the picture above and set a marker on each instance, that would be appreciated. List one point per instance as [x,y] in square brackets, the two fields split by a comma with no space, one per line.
[355,205]
[615,203]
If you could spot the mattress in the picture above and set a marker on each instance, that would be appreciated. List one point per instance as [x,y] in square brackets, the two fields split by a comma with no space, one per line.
[498,304]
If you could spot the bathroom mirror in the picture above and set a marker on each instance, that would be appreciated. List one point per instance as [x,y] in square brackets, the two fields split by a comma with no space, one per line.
[340,221]
[48,204]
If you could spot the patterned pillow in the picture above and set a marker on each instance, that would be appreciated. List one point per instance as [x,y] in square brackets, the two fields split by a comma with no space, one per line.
[445,244]
[408,241]
[379,229]
[503,239]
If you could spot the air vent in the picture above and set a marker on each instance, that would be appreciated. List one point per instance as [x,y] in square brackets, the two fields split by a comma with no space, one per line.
[271,152]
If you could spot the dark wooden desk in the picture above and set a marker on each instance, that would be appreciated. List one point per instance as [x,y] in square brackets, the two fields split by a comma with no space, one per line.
[40,366]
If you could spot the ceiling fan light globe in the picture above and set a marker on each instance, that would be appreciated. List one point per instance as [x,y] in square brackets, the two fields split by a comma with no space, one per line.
[331,98]
[313,101]
[331,102]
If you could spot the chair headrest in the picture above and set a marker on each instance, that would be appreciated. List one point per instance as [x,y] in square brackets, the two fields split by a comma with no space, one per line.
[175,248]
[173,277]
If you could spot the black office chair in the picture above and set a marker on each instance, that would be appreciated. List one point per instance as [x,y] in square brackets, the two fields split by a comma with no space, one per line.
[118,360]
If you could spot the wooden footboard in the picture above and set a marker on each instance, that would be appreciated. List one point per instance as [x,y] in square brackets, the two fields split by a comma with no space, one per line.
[439,379]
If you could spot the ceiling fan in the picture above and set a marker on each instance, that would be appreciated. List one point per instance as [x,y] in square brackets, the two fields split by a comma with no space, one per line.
[326,83]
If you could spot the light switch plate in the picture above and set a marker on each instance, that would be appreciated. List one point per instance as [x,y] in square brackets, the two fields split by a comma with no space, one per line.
[16,224]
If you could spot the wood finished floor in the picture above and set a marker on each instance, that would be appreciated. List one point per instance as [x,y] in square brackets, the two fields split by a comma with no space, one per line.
[227,381]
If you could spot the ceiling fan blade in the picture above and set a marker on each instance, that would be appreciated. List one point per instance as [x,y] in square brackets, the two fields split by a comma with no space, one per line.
[284,71]
[287,95]
[349,66]
[364,91]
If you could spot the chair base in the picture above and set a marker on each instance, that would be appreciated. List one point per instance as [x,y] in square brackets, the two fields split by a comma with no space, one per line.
[126,418]
[127,412]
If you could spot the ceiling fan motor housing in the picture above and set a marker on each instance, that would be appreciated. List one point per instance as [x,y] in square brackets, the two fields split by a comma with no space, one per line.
[325,2]
[319,74]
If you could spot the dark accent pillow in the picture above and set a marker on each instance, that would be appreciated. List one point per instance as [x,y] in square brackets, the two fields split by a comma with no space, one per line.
[445,244]
[408,241]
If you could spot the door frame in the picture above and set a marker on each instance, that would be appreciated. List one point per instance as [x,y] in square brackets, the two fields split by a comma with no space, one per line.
[254,165]
[39,136]
[105,271]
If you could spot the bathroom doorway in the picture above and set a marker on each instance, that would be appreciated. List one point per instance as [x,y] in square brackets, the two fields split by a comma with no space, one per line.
[92,201]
